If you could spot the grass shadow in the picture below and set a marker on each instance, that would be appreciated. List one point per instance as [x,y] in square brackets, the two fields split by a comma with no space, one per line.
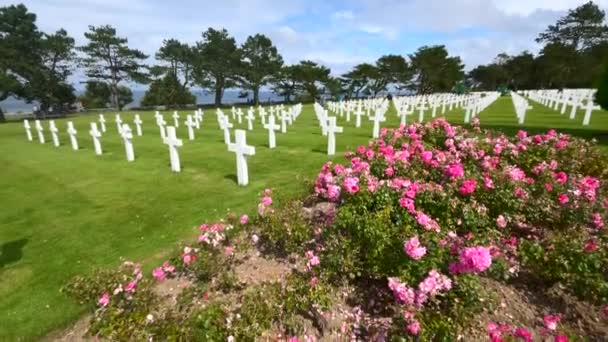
[12,251]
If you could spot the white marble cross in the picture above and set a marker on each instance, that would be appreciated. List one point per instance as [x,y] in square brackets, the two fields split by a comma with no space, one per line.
[263,115]
[421,109]
[242,150]
[239,115]
[28,129]
[283,121]
[95,134]
[378,117]
[175,119]
[271,127]
[250,117]
[54,133]
[160,121]
[190,123]
[118,121]
[589,107]
[332,129]
[173,142]
[358,115]
[226,126]
[198,115]
[138,123]
[39,129]
[102,122]
[127,137]
[72,132]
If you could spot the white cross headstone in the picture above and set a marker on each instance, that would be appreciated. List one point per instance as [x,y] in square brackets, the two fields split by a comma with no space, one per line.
[250,117]
[102,122]
[176,119]
[28,129]
[190,123]
[54,133]
[72,132]
[332,129]
[378,117]
[39,129]
[239,115]
[271,127]
[421,109]
[283,121]
[358,115]
[589,107]
[118,121]
[138,123]
[242,150]
[263,115]
[127,137]
[225,125]
[173,142]
[96,135]
[160,121]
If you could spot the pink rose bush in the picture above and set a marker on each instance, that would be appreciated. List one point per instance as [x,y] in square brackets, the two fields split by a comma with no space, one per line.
[483,204]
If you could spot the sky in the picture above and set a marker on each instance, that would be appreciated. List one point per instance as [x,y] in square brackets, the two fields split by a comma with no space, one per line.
[337,34]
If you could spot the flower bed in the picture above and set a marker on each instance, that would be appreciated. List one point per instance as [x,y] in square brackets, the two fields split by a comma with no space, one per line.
[422,215]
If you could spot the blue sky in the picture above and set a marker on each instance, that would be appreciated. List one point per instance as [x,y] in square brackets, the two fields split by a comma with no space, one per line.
[338,34]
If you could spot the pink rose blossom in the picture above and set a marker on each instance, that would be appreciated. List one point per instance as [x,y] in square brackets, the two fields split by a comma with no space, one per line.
[158,273]
[413,249]
[351,184]
[130,287]
[414,328]
[244,219]
[104,300]
[468,187]
[563,199]
[501,221]
[551,321]
[455,171]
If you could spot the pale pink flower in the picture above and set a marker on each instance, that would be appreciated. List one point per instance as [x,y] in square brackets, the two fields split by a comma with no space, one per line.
[413,249]
[501,221]
[104,300]
[158,273]
[228,251]
[551,321]
[266,200]
[244,219]
[130,287]
[414,327]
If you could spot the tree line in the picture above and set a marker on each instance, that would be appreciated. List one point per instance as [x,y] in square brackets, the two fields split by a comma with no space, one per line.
[35,66]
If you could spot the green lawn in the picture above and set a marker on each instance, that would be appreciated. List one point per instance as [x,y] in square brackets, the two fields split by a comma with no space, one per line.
[66,212]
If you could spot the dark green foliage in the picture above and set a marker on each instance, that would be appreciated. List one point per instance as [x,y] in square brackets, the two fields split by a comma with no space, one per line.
[308,76]
[218,61]
[434,70]
[261,61]
[108,58]
[602,91]
[167,92]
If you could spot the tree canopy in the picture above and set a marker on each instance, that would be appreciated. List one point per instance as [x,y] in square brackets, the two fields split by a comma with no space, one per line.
[434,70]
[261,61]
[108,58]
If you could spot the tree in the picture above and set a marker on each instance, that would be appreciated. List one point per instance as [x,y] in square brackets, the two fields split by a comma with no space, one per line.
[558,64]
[581,28]
[333,87]
[125,96]
[178,59]
[96,95]
[284,82]
[488,77]
[392,69]
[601,97]
[261,60]
[19,52]
[109,59]
[217,62]
[309,75]
[51,88]
[169,92]
[356,80]
[434,70]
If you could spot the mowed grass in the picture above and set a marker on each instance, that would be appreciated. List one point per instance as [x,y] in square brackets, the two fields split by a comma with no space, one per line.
[66,212]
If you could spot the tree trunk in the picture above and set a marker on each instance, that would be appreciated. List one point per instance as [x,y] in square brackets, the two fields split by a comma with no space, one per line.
[114,96]
[256,95]
[2,118]
[219,89]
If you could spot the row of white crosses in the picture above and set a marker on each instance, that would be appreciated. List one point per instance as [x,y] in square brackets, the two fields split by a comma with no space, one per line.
[54,132]
[575,98]
[521,106]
